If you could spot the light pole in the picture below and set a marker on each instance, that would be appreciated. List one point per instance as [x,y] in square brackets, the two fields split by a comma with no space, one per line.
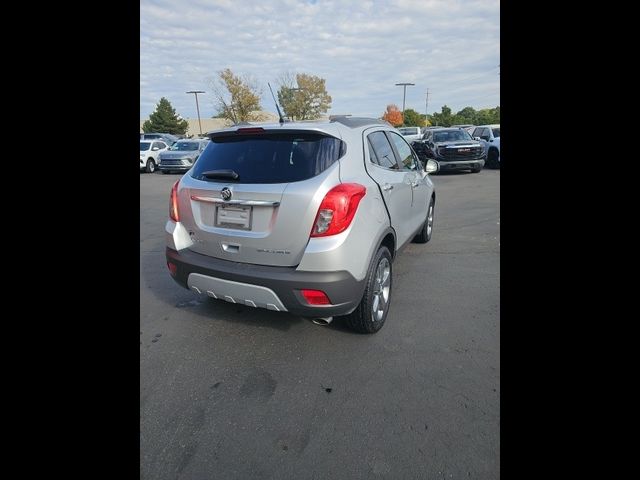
[404,96]
[196,92]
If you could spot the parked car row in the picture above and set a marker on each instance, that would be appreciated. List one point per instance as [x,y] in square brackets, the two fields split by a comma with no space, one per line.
[459,147]
[179,157]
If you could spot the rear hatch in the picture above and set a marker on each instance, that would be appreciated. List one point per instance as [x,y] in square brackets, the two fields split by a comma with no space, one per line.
[253,194]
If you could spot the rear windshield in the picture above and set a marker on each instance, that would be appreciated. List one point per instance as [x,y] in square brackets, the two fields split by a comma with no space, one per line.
[270,158]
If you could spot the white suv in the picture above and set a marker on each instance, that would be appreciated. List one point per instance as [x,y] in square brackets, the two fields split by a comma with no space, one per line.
[301,217]
[149,152]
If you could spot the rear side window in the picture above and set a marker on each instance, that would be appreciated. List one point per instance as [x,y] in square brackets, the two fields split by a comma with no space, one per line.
[404,150]
[270,158]
[384,153]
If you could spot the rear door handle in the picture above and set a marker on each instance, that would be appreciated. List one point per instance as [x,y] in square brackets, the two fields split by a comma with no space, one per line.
[386,187]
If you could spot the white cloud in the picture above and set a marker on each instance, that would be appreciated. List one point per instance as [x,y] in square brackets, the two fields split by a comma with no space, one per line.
[361,48]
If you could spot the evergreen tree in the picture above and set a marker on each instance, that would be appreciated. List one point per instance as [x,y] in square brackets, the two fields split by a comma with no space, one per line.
[165,120]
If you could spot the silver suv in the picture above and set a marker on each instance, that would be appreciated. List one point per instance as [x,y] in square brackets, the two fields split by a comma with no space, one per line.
[181,155]
[301,217]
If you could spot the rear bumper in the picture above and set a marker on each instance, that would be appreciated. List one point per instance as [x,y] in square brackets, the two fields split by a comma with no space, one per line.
[274,288]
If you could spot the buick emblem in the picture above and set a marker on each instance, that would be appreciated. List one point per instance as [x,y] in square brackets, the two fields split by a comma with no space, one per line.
[226,193]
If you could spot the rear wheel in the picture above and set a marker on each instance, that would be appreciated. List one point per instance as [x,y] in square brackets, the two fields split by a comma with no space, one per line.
[164,172]
[372,311]
[427,228]
[476,170]
[151,166]
[493,159]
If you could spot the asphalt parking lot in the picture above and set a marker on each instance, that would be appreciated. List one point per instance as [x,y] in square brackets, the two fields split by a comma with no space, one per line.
[232,392]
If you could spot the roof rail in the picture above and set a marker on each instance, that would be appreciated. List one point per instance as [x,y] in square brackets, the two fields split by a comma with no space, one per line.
[355,122]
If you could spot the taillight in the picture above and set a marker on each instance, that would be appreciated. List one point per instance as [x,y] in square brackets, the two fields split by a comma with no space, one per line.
[172,268]
[173,205]
[337,209]
[315,297]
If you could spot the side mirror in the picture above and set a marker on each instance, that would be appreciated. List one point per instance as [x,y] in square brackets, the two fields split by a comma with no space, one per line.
[477,139]
[432,166]
[155,149]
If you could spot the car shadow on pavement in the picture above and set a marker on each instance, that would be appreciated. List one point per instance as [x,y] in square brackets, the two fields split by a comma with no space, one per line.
[175,299]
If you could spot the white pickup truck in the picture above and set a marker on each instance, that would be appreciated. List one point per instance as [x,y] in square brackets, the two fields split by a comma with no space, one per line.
[410,134]
[489,135]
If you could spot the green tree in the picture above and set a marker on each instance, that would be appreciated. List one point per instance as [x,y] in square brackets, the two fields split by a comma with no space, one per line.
[443,118]
[413,118]
[466,115]
[165,120]
[488,115]
[237,98]
[303,98]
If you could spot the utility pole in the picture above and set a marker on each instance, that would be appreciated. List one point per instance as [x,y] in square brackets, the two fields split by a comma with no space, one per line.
[196,92]
[426,105]
[404,96]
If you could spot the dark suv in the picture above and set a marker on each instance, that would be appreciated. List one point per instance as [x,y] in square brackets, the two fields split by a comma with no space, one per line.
[452,148]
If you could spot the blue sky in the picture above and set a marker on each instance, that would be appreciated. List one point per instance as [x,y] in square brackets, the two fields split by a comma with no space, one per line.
[362,48]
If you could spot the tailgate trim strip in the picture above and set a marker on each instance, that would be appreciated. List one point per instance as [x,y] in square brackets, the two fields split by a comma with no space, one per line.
[252,203]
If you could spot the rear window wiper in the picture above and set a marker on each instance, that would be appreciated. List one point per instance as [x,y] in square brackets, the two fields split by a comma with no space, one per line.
[226,174]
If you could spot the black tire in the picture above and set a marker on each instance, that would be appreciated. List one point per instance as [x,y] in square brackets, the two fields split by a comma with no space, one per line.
[165,172]
[151,166]
[427,227]
[476,170]
[493,159]
[364,319]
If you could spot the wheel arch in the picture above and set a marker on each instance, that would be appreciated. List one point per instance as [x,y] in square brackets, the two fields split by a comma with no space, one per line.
[388,239]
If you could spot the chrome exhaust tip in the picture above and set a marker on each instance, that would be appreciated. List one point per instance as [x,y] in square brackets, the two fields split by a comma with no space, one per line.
[324,321]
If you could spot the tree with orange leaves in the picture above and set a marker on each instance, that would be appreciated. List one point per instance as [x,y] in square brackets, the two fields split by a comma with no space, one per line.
[393,115]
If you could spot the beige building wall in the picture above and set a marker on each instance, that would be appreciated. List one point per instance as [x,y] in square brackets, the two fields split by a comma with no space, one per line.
[209,124]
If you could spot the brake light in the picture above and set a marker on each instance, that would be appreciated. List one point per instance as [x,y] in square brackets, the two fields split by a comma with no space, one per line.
[173,205]
[315,297]
[337,209]
[249,131]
